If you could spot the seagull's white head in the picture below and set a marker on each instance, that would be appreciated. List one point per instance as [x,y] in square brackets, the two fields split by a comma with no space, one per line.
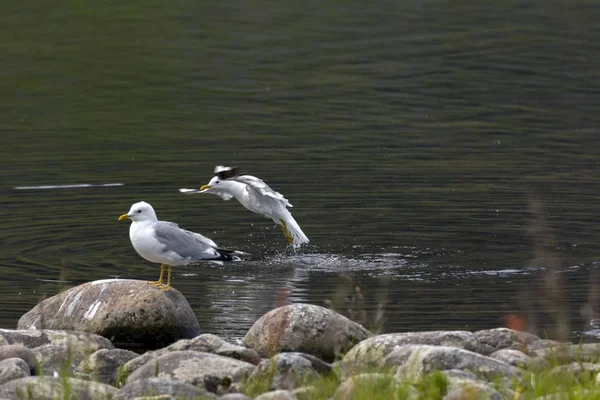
[217,184]
[139,212]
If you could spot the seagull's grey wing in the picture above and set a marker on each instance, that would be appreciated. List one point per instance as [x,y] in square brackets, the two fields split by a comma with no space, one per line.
[261,188]
[184,243]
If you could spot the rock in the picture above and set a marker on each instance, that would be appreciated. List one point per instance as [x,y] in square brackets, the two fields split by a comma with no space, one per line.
[103,365]
[576,371]
[131,313]
[357,384]
[275,395]
[13,368]
[472,390]
[503,338]
[205,370]
[372,351]
[513,357]
[34,338]
[289,370]
[544,344]
[50,388]
[19,351]
[59,359]
[234,396]
[157,387]
[412,361]
[305,393]
[305,328]
[566,353]
[204,343]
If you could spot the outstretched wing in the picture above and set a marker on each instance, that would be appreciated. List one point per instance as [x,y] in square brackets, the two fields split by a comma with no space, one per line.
[222,195]
[261,187]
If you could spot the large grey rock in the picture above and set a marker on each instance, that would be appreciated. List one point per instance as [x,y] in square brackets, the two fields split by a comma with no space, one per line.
[58,359]
[290,370]
[305,328]
[513,357]
[131,313]
[205,370]
[13,368]
[504,338]
[204,343]
[103,365]
[50,388]
[19,351]
[34,338]
[372,351]
[275,395]
[157,387]
[566,353]
[412,361]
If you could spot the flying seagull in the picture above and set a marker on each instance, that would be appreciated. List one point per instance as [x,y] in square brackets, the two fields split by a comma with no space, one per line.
[166,243]
[254,194]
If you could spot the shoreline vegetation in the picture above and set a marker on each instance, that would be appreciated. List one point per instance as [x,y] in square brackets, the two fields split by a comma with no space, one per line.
[84,343]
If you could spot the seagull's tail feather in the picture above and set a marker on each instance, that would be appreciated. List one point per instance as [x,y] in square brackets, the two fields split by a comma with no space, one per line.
[229,254]
[298,238]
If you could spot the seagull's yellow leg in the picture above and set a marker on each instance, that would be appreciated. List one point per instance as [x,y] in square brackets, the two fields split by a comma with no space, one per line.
[286,232]
[168,285]
[159,281]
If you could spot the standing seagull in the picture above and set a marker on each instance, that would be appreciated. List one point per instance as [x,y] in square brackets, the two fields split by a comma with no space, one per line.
[166,243]
[256,196]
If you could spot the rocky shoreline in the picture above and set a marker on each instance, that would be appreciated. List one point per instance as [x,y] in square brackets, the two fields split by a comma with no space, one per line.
[79,344]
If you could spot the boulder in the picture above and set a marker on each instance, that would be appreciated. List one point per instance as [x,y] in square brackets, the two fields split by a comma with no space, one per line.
[32,338]
[205,370]
[204,343]
[305,393]
[513,357]
[305,328]
[51,388]
[58,359]
[503,338]
[372,351]
[234,396]
[131,313]
[472,390]
[13,368]
[103,365]
[275,395]
[290,370]
[356,385]
[412,361]
[19,351]
[567,353]
[159,387]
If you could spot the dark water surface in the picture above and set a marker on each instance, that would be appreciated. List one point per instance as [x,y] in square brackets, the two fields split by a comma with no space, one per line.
[411,136]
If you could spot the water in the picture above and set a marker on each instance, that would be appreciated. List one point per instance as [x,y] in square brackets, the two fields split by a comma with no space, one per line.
[410,137]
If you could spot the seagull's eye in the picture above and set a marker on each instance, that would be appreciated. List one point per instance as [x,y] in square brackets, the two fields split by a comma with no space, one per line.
[139,211]
[216,182]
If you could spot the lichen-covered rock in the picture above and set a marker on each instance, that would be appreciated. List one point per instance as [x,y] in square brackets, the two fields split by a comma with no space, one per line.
[372,351]
[304,328]
[32,338]
[289,370]
[412,361]
[544,344]
[275,395]
[206,343]
[566,353]
[158,387]
[19,351]
[59,359]
[13,368]
[492,340]
[103,365]
[50,388]
[131,313]
[205,370]
[513,357]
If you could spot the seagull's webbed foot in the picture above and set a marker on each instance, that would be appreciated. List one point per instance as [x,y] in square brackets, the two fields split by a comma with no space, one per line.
[286,232]
[159,282]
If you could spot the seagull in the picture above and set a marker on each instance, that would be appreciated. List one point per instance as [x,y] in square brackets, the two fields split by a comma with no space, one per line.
[166,243]
[254,194]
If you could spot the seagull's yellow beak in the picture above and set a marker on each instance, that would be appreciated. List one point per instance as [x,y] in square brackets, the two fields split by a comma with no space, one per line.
[122,217]
[205,187]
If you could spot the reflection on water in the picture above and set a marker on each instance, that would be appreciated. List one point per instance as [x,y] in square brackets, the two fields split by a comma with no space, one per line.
[409,137]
